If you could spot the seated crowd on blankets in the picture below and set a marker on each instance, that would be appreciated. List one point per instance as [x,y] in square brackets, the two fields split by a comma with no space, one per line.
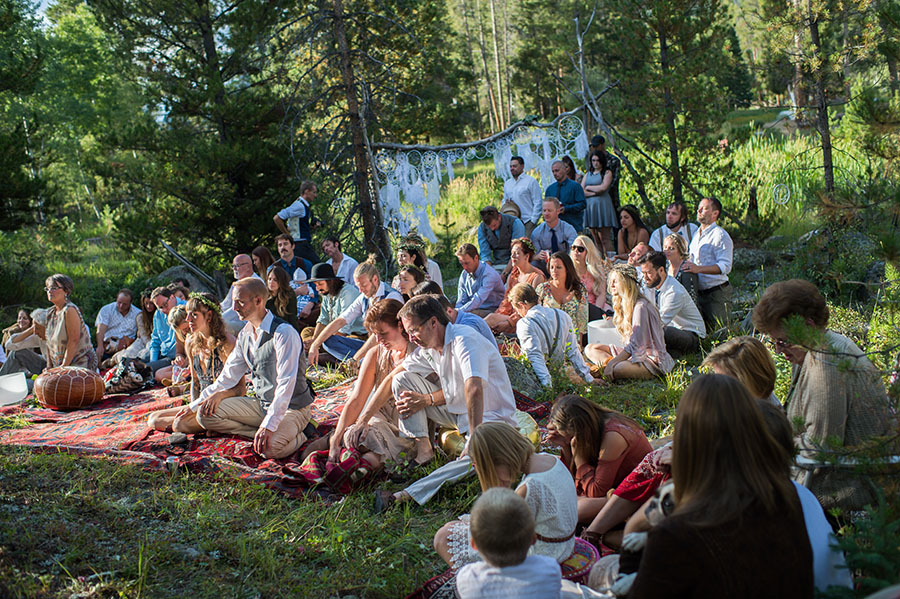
[725,488]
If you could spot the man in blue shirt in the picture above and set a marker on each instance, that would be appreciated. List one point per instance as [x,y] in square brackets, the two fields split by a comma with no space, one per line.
[165,348]
[570,196]
[480,287]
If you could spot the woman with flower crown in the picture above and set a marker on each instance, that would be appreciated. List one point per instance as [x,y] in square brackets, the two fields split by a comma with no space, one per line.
[522,252]
[207,347]
[637,321]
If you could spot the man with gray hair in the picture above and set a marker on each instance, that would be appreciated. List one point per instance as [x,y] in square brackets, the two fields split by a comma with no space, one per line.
[271,350]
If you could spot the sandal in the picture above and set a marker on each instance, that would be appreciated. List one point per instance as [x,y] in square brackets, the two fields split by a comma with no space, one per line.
[383,501]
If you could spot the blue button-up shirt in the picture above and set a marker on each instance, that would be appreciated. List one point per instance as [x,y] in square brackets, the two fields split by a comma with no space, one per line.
[482,290]
[571,196]
[162,339]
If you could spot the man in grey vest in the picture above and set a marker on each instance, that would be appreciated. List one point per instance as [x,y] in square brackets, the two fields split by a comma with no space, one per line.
[495,235]
[271,350]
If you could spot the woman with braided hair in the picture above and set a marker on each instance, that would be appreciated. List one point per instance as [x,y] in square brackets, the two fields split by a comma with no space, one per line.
[207,347]
[637,321]
[522,253]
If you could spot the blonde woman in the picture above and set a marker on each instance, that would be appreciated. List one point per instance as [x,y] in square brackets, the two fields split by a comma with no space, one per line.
[747,360]
[522,253]
[637,321]
[592,270]
[500,456]
[676,250]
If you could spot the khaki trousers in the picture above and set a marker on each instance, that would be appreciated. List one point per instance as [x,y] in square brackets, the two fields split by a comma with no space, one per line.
[243,415]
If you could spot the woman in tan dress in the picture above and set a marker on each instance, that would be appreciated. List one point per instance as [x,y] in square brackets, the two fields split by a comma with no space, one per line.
[67,336]
[367,427]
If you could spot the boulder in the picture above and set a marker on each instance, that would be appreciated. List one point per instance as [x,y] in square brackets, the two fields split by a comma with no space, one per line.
[522,377]
[749,258]
[182,272]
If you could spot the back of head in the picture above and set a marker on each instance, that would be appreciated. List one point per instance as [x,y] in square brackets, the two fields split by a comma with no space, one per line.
[778,425]
[489,214]
[424,307]
[784,299]
[747,360]
[427,288]
[494,444]
[502,527]
[724,457]
[523,293]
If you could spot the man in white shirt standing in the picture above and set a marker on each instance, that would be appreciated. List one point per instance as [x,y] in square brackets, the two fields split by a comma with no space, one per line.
[682,324]
[711,255]
[676,222]
[116,324]
[296,220]
[455,378]
[525,192]
[271,350]
[343,265]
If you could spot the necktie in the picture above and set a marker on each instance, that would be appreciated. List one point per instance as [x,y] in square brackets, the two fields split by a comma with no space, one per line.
[554,243]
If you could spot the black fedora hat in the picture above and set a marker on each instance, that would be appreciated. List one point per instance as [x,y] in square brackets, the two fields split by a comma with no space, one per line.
[322,272]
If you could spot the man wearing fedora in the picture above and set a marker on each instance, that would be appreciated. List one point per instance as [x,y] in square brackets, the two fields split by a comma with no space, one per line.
[336,296]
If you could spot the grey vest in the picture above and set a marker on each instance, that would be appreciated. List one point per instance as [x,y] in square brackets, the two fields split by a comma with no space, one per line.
[262,370]
[500,239]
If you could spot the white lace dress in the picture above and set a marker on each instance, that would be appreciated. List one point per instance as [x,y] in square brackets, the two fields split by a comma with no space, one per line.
[554,503]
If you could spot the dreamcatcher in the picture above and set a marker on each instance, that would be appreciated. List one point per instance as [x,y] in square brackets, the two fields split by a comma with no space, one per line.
[410,176]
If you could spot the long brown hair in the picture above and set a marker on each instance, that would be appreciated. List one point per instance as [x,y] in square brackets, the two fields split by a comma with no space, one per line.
[723,457]
[216,338]
[265,259]
[145,315]
[586,421]
[572,283]
[285,294]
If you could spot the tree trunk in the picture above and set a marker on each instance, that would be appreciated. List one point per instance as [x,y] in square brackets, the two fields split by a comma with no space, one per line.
[495,115]
[214,76]
[669,110]
[893,75]
[471,56]
[375,239]
[506,69]
[822,125]
[497,67]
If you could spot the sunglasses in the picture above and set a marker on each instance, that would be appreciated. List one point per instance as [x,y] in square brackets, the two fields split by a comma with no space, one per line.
[579,248]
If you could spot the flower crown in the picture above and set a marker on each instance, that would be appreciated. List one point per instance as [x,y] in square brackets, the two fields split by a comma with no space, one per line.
[627,270]
[206,302]
[409,248]
[527,243]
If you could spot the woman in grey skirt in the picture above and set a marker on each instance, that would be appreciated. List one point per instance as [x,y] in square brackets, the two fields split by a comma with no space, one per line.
[599,215]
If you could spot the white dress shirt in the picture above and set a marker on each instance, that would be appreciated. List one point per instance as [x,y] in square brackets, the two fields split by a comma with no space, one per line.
[687,232]
[712,247]
[525,192]
[361,304]
[467,354]
[118,326]
[434,272]
[287,353]
[346,269]
[228,312]
[677,309]
[548,333]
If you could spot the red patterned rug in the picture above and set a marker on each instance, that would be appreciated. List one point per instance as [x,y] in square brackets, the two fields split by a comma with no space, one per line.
[116,428]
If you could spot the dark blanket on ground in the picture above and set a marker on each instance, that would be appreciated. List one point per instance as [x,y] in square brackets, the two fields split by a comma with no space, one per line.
[116,428]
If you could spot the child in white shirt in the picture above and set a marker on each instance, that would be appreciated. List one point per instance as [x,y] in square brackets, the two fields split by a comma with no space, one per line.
[502,530]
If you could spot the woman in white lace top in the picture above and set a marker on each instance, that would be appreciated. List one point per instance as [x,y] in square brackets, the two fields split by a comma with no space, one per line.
[500,455]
